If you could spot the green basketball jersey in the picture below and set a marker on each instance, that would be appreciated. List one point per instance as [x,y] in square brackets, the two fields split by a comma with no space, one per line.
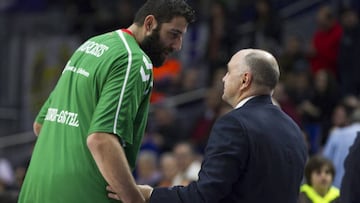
[105,87]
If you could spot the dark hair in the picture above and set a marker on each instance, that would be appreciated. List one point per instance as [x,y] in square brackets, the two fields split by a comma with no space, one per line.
[316,163]
[263,70]
[164,11]
[348,108]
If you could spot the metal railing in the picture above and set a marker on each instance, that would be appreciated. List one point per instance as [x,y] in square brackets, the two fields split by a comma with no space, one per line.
[285,13]
[17,139]
[298,7]
[28,136]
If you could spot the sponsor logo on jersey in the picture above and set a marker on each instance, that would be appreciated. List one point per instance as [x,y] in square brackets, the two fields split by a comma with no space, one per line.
[62,117]
[93,48]
[74,69]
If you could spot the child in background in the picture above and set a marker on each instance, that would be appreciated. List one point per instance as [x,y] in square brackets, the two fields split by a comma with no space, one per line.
[319,175]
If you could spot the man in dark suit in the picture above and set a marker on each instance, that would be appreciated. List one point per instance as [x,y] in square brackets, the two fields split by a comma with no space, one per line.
[255,153]
[350,184]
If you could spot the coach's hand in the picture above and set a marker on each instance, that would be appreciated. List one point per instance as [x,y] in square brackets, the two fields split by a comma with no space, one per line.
[145,190]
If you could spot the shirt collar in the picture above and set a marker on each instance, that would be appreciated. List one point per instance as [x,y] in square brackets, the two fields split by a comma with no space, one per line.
[242,102]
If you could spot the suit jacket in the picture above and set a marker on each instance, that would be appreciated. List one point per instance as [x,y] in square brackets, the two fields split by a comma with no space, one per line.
[349,192]
[255,153]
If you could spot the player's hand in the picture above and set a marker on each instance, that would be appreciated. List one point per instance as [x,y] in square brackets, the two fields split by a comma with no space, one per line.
[145,190]
[112,194]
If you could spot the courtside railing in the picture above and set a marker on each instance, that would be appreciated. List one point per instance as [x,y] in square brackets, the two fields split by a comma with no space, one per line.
[173,101]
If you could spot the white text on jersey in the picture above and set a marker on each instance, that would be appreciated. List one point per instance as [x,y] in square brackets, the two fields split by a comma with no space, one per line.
[64,117]
[93,48]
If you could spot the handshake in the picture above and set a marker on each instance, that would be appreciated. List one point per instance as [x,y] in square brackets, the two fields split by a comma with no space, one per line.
[145,190]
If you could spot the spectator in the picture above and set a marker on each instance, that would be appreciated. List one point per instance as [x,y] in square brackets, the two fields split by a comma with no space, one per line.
[285,102]
[338,144]
[115,14]
[6,182]
[203,124]
[168,169]
[268,31]
[317,109]
[293,58]
[349,52]
[340,116]
[7,177]
[196,40]
[167,128]
[147,170]
[319,175]
[188,164]
[325,42]
[218,39]
[189,80]
[299,86]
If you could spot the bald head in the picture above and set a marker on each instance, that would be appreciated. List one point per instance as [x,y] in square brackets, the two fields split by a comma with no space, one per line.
[250,72]
[264,68]
[261,64]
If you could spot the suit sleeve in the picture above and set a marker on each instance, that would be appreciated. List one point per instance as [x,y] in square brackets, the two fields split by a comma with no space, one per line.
[351,181]
[226,157]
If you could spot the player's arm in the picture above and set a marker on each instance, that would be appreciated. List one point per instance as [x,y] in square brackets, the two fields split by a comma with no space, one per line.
[112,163]
[36,128]
[39,120]
[112,121]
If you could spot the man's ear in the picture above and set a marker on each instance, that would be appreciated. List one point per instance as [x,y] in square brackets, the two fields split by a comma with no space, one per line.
[150,23]
[246,80]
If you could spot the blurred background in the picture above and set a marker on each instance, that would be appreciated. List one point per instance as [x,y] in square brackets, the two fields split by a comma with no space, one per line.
[316,42]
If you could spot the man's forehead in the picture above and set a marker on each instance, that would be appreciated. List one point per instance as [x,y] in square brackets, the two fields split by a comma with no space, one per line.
[177,24]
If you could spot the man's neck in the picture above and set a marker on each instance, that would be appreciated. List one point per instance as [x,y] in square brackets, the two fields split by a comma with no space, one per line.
[137,32]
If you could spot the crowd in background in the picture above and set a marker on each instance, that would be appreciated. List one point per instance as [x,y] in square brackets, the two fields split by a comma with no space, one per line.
[319,86]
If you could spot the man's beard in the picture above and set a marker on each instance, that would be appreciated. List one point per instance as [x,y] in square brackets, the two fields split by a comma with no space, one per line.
[153,47]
